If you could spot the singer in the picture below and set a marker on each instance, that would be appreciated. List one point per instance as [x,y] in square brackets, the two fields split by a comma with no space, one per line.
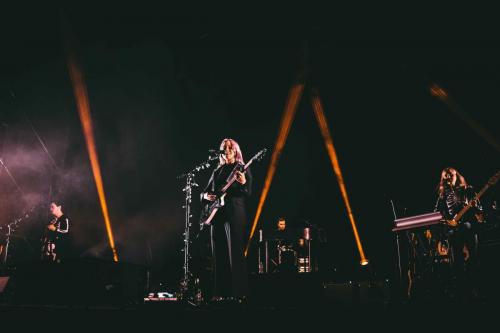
[227,231]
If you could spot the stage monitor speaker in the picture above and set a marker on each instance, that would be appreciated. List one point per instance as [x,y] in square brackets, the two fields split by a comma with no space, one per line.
[374,292]
[341,294]
[353,293]
[286,289]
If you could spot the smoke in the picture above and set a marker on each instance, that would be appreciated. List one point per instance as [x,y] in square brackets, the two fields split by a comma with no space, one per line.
[142,136]
[144,196]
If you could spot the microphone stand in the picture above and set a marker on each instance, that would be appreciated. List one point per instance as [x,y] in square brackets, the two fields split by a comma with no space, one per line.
[11,227]
[6,248]
[400,284]
[397,244]
[188,289]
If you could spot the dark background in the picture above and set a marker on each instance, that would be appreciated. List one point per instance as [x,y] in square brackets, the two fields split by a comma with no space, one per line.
[165,88]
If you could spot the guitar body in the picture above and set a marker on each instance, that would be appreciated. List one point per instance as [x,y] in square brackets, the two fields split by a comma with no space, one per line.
[210,209]
[48,250]
[48,244]
[452,222]
[208,212]
[457,219]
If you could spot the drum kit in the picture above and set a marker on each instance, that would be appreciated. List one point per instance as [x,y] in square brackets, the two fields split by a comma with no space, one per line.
[282,255]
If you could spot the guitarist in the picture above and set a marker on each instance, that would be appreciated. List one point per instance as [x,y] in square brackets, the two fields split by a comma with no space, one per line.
[54,242]
[227,230]
[454,194]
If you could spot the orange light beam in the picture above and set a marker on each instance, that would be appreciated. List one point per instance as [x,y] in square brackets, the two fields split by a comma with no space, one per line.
[83,105]
[443,95]
[286,123]
[323,125]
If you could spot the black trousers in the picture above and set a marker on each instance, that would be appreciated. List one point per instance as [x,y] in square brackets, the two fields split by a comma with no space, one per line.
[229,268]
[465,271]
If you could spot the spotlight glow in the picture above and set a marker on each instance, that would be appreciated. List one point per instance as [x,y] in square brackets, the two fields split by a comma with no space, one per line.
[445,97]
[323,125]
[83,105]
[286,123]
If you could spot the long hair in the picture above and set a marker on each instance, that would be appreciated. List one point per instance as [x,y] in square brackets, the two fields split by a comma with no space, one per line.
[449,170]
[238,156]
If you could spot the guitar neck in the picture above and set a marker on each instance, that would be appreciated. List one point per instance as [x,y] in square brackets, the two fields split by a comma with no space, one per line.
[233,179]
[492,181]
[469,205]
[482,191]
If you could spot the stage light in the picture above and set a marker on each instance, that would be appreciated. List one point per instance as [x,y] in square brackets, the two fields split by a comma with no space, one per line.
[325,131]
[83,105]
[453,106]
[286,123]
[438,92]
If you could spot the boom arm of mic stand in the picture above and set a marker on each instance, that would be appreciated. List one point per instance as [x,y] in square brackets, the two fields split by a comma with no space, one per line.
[202,166]
[188,282]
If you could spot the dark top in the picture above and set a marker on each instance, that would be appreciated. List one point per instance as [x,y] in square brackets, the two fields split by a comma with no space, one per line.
[223,174]
[62,228]
[453,199]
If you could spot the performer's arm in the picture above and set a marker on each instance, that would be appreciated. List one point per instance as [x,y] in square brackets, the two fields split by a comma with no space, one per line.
[244,181]
[439,204]
[206,195]
[63,226]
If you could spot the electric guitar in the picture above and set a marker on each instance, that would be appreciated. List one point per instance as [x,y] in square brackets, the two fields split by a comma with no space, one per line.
[456,219]
[211,208]
[48,245]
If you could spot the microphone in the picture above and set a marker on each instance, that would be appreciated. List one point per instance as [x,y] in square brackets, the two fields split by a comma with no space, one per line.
[216,151]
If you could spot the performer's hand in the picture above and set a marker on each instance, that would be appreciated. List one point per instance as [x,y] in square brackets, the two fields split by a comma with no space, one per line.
[240,177]
[466,253]
[479,217]
[51,227]
[452,223]
[210,197]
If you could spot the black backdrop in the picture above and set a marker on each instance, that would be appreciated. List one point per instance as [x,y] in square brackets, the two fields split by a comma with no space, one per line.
[164,89]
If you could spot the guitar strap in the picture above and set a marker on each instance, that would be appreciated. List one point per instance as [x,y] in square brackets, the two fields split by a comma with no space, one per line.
[217,175]
[231,174]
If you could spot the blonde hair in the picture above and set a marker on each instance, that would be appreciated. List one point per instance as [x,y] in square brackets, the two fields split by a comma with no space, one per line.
[448,170]
[238,156]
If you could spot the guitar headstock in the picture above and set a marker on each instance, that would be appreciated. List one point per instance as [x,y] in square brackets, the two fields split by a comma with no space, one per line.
[260,155]
[493,180]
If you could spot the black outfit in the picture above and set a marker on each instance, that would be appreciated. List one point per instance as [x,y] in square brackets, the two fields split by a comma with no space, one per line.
[227,234]
[452,200]
[285,236]
[55,243]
